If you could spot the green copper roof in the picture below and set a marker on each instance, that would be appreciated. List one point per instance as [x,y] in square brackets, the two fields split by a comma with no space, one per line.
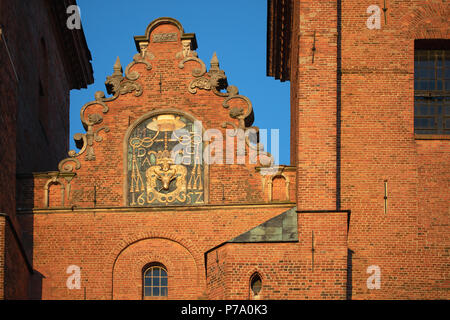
[282,228]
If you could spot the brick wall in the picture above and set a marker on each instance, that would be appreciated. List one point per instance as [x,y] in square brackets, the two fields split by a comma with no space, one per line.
[353,118]
[316,105]
[2,257]
[113,245]
[104,178]
[216,271]
[34,112]
[8,110]
[378,144]
[433,219]
[375,110]
[41,62]
[288,270]
[17,272]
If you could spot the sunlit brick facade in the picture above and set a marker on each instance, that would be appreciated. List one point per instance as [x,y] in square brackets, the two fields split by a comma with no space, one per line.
[364,191]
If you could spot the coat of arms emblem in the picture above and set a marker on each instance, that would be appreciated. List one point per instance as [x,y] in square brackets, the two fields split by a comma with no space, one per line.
[157,175]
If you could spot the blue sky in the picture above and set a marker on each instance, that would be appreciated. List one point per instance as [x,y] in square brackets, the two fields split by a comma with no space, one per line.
[236,30]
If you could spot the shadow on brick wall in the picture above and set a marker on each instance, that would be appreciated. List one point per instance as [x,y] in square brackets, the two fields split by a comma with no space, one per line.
[349,274]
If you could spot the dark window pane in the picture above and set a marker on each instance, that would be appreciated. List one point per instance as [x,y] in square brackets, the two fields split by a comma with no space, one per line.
[256,284]
[425,110]
[423,85]
[155,279]
[439,60]
[447,124]
[421,73]
[431,85]
[164,292]
[424,123]
[427,64]
[419,131]
[447,110]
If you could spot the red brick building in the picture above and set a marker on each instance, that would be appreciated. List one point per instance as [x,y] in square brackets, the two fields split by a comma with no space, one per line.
[361,212]
[41,62]
[370,132]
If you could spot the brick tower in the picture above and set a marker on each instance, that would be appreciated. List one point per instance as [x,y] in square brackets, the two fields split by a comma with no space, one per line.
[370,132]
[42,60]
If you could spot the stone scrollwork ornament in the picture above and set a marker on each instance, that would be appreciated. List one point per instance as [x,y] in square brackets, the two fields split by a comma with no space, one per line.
[216,81]
[117,85]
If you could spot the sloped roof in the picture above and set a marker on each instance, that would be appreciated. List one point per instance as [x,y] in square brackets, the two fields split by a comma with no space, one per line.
[282,228]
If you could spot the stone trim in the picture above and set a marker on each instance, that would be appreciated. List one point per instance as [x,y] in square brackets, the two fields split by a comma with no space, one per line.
[112,210]
[116,84]
[165,20]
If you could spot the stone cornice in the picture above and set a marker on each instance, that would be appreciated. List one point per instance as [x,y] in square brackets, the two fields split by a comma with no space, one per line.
[45,175]
[279,20]
[156,209]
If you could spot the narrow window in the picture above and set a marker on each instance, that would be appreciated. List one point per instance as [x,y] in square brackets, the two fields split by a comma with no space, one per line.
[155,281]
[255,286]
[432,87]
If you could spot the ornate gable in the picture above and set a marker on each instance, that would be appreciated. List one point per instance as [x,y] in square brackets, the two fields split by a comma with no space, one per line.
[127,151]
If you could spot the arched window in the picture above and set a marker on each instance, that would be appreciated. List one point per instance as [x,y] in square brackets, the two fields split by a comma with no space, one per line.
[255,286]
[155,281]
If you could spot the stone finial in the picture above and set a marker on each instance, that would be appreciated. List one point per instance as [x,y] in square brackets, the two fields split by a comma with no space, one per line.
[117,68]
[214,62]
[113,81]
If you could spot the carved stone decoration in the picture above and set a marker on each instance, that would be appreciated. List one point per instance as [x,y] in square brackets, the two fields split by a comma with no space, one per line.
[187,50]
[195,72]
[130,86]
[112,82]
[217,76]
[144,52]
[137,59]
[67,165]
[165,37]
[117,85]
[215,80]
[188,40]
[245,118]
[270,178]
[200,83]
[89,122]
[53,180]
[158,175]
